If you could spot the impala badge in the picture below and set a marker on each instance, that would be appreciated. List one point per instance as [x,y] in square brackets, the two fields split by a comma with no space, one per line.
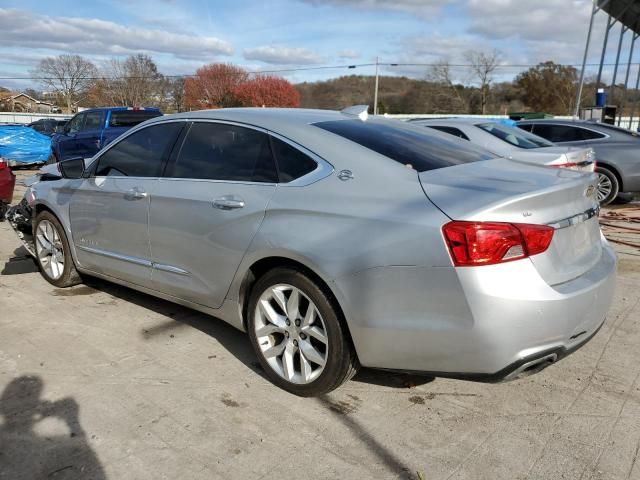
[591,189]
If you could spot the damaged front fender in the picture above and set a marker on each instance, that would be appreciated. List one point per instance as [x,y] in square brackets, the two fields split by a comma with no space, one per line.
[20,218]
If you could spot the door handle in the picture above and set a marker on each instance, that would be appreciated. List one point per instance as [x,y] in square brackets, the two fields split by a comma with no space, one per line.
[230,202]
[135,194]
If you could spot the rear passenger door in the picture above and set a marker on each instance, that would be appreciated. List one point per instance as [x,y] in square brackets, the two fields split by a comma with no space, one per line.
[205,212]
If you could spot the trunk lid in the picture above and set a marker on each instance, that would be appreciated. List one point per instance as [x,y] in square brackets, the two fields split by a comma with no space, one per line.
[503,190]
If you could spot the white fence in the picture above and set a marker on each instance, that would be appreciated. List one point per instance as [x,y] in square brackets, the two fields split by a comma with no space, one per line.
[14,117]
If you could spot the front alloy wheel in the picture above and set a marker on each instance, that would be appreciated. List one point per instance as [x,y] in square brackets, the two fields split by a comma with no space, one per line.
[295,328]
[52,252]
[49,250]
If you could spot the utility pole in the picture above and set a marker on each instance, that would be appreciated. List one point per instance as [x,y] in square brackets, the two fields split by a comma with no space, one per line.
[375,93]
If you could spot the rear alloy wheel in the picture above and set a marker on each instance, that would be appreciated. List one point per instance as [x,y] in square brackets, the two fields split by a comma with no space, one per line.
[608,186]
[295,330]
[52,252]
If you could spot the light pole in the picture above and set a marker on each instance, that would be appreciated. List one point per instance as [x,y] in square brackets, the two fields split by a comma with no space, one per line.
[375,93]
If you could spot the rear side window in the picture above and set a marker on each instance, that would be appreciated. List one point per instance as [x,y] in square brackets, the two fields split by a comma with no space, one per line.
[292,163]
[515,136]
[591,135]
[558,133]
[131,118]
[141,154]
[409,145]
[93,121]
[216,151]
[450,130]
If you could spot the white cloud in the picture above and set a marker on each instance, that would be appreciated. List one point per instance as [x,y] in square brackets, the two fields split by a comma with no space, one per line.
[348,54]
[422,8]
[282,55]
[19,28]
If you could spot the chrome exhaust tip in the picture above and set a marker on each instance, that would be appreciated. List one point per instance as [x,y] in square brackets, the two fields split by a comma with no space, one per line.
[534,366]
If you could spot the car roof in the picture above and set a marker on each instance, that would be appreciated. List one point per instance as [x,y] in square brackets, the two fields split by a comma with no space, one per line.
[119,109]
[452,120]
[267,118]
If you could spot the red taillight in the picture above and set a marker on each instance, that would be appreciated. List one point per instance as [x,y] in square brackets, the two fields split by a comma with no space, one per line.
[3,164]
[488,243]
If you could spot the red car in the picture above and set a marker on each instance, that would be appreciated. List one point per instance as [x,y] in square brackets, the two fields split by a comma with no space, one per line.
[7,182]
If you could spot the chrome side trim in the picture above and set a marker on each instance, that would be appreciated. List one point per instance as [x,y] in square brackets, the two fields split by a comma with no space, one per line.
[117,256]
[170,269]
[575,219]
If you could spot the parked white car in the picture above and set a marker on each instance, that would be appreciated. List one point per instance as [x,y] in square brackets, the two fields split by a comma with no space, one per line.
[513,143]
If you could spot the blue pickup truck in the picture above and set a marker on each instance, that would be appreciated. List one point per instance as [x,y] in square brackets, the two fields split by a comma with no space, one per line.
[90,130]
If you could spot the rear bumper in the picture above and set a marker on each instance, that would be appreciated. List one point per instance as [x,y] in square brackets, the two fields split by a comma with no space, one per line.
[481,323]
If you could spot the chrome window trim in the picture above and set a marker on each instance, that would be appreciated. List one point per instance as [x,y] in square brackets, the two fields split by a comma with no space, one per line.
[576,219]
[323,170]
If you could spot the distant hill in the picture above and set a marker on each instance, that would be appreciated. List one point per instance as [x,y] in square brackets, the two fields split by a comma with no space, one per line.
[395,95]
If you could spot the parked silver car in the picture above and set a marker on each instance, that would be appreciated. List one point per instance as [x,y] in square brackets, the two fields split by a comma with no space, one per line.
[511,142]
[335,241]
[617,151]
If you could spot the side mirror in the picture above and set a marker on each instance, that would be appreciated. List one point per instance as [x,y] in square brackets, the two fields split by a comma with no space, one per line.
[72,168]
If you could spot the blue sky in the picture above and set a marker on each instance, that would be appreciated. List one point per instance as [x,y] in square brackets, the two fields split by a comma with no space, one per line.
[285,34]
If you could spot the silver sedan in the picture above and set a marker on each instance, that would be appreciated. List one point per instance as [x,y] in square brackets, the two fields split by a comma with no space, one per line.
[335,241]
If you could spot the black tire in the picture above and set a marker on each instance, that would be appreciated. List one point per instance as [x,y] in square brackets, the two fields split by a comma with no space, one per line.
[52,159]
[606,176]
[341,360]
[70,275]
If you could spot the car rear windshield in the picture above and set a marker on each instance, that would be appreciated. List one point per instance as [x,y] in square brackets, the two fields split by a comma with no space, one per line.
[415,147]
[130,118]
[515,136]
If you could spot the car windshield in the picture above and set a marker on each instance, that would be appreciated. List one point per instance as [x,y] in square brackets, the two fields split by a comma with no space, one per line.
[514,136]
[415,147]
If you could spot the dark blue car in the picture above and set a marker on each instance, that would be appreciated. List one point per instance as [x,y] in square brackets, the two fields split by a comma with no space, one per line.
[90,130]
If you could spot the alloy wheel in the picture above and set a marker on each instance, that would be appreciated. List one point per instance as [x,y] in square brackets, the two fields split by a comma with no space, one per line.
[49,249]
[291,334]
[604,187]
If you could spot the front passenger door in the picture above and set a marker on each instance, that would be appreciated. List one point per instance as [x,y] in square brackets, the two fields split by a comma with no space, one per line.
[109,211]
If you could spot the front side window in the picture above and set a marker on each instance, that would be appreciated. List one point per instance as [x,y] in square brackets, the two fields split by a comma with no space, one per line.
[217,151]
[514,136]
[409,145]
[93,121]
[141,154]
[75,124]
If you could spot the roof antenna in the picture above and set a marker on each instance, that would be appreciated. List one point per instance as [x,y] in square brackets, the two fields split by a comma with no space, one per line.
[360,111]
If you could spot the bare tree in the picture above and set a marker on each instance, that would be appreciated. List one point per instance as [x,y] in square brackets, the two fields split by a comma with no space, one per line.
[67,75]
[440,73]
[483,65]
[134,81]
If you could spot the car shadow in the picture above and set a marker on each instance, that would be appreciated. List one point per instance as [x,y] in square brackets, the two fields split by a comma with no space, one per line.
[233,340]
[21,262]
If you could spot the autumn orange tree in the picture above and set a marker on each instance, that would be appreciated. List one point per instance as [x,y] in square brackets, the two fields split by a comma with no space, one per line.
[220,85]
[267,91]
